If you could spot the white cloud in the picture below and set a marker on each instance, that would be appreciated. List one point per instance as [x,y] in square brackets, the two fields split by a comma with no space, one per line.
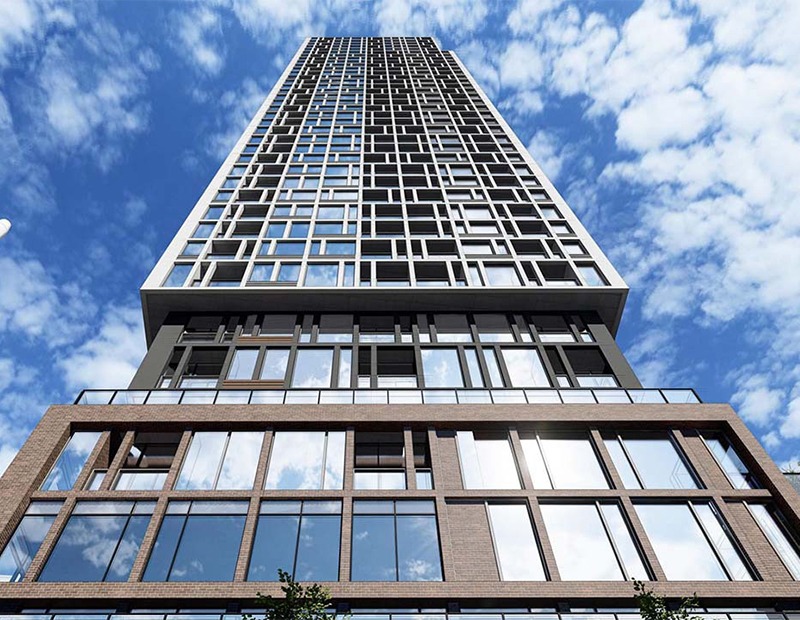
[17,20]
[34,306]
[199,38]
[110,357]
[457,18]
[548,152]
[235,111]
[524,18]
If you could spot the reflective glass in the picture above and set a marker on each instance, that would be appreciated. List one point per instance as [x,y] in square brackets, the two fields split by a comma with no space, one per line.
[202,460]
[776,536]
[70,462]
[580,544]
[514,543]
[373,548]
[306,460]
[418,549]
[379,480]
[96,547]
[24,543]
[656,461]
[525,367]
[241,459]
[179,272]
[572,462]
[441,368]
[726,457]
[682,549]
[275,362]
[322,275]
[199,547]
[501,275]
[487,461]
[243,364]
[273,547]
[722,542]
[141,480]
[312,368]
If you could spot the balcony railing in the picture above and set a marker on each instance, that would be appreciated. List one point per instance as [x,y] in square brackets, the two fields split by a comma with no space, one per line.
[535,396]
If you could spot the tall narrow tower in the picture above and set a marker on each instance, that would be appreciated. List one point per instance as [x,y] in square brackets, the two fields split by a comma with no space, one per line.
[381,357]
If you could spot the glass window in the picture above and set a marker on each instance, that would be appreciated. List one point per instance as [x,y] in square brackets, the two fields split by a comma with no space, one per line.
[452,328]
[197,541]
[501,275]
[649,461]
[275,231]
[691,542]
[301,538]
[395,541]
[306,460]
[70,462]
[178,275]
[299,230]
[99,543]
[486,460]
[220,460]
[368,479]
[591,542]
[275,363]
[312,368]
[243,364]
[778,537]
[26,540]
[322,275]
[441,368]
[340,248]
[525,367]
[262,272]
[515,545]
[141,480]
[289,272]
[730,463]
[493,328]
[563,461]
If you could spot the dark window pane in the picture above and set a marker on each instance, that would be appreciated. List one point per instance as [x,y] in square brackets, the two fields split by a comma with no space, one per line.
[418,549]
[164,550]
[24,544]
[273,547]
[373,549]
[85,549]
[318,549]
[208,549]
[128,549]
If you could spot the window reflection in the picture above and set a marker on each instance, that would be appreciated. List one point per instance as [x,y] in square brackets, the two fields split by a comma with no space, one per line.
[219,460]
[306,460]
[524,367]
[775,532]
[395,541]
[299,537]
[312,368]
[578,532]
[99,543]
[70,462]
[683,542]
[197,541]
[26,540]
[649,461]
[441,368]
[563,461]
[486,460]
[724,453]
[515,545]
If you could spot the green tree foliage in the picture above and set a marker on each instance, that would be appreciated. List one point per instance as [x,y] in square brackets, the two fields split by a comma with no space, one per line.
[655,607]
[299,602]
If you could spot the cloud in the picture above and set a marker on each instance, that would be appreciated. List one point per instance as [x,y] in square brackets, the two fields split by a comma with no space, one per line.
[109,358]
[456,18]
[235,111]
[548,152]
[199,38]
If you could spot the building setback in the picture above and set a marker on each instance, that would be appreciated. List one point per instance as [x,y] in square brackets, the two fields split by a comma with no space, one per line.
[381,356]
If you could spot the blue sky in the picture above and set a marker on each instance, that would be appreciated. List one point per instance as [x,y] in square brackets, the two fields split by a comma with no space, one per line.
[672,129]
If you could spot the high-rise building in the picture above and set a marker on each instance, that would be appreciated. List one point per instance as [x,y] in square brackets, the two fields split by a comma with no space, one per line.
[382,357]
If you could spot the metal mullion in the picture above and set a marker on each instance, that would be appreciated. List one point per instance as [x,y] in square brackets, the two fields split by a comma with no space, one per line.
[684,458]
[180,538]
[639,478]
[710,540]
[297,538]
[610,536]
[396,545]
[119,542]
[221,460]
[544,460]
[497,563]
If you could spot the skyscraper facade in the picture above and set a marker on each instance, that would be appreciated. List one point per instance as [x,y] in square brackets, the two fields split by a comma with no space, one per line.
[381,357]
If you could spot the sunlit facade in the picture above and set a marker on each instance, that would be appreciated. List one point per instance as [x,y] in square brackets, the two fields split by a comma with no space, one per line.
[381,357]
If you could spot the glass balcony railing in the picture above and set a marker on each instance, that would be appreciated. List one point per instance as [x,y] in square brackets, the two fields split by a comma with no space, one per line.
[536,396]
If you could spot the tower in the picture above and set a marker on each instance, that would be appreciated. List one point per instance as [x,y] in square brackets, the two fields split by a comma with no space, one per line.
[381,356]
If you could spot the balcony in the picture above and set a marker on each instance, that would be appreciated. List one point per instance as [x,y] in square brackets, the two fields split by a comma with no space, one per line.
[387,397]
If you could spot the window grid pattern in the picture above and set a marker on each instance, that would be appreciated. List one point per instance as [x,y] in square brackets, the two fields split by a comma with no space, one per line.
[379,163]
